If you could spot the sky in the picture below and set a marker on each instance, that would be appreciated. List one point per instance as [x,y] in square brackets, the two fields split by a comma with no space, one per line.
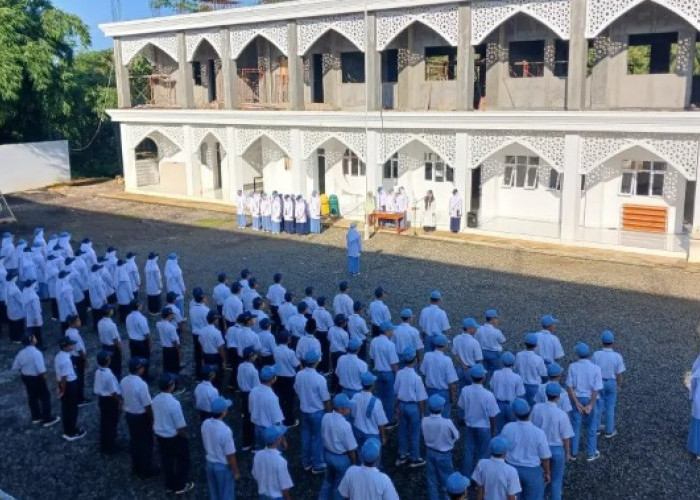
[94,12]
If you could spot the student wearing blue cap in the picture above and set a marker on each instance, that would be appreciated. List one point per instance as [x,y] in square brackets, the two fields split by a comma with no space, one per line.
[139,418]
[612,366]
[386,363]
[247,378]
[529,452]
[233,306]
[584,383]
[506,386]
[265,409]
[406,335]
[433,320]
[267,343]
[338,340]
[169,341]
[491,340]
[205,392]
[286,310]
[467,351]
[357,328]
[548,344]
[554,374]
[368,415]
[15,306]
[339,445]
[556,425]
[353,241]
[248,295]
[154,283]
[410,396]
[350,368]
[494,478]
[439,372]
[378,311]
[323,323]
[366,482]
[480,411]
[308,341]
[139,333]
[213,346]
[270,469]
[276,296]
[440,436]
[220,452]
[106,388]
[170,429]
[287,365]
[530,367]
[68,391]
[314,400]
[245,336]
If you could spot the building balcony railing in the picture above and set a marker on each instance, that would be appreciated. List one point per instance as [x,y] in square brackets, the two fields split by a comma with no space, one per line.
[260,88]
[526,69]
[158,90]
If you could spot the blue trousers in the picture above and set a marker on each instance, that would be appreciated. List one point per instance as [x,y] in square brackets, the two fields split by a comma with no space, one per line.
[275,227]
[241,220]
[505,416]
[556,467]
[492,361]
[353,265]
[476,447]
[607,400]
[349,392]
[591,422]
[220,482]
[267,223]
[336,465]
[315,225]
[259,439]
[531,481]
[256,223]
[530,393]
[445,394]
[464,378]
[311,443]
[438,467]
[361,437]
[409,430]
[385,392]
[428,343]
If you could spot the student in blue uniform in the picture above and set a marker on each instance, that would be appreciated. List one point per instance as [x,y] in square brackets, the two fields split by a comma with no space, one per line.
[457,486]
[366,482]
[467,351]
[30,364]
[323,323]
[220,451]
[287,364]
[548,344]
[494,478]
[349,369]
[357,328]
[612,366]
[108,392]
[530,367]
[491,340]
[265,410]
[248,379]
[554,373]
[506,386]
[386,363]
[439,372]
[440,436]
[368,415]
[270,469]
[267,343]
[338,340]
[433,320]
[339,444]
[584,382]
[410,397]
[406,335]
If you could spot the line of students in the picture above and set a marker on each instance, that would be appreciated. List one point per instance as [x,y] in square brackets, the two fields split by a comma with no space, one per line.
[277,212]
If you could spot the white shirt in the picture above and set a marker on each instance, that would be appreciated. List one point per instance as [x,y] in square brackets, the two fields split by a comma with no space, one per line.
[286,360]
[198,316]
[168,334]
[349,369]
[564,402]
[368,424]
[455,205]
[220,293]
[296,324]
[217,439]
[248,377]
[497,477]
[490,338]
[233,307]
[479,406]
[210,339]
[342,304]
[286,311]
[433,320]
[379,312]
[264,406]
[530,367]
[271,472]
[367,483]
[383,353]
[548,346]
[323,318]
[439,433]
[105,382]
[467,349]
[137,326]
[135,394]
[307,343]
[107,331]
[29,361]
[507,385]
[312,390]
[528,444]
[338,339]
[409,387]
[63,366]
[336,433]
[405,336]
[79,346]
[438,369]
[275,294]
[553,421]
[357,327]
[204,394]
[167,415]
[584,377]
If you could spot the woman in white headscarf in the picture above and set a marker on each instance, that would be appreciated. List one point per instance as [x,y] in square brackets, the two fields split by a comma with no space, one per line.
[276,216]
[89,255]
[174,281]
[39,238]
[51,275]
[39,259]
[429,219]
[64,243]
[8,252]
[125,290]
[154,283]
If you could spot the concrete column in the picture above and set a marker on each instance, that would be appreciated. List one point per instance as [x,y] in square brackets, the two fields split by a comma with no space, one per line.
[463,174]
[571,188]
[128,159]
[578,58]
[688,36]
[296,69]
[465,60]
[235,172]
[373,65]
[121,73]
[228,67]
[298,184]
[193,175]
[693,251]
[185,79]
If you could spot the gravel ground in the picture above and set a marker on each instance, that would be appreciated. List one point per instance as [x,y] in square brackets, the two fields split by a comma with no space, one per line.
[653,311]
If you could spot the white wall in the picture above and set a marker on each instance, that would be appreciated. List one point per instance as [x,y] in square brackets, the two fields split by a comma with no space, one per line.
[33,165]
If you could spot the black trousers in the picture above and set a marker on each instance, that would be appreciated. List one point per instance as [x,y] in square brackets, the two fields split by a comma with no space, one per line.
[154,304]
[248,427]
[81,307]
[3,315]
[233,361]
[171,360]
[112,298]
[362,353]
[115,360]
[293,341]
[325,365]
[79,367]
[124,311]
[215,359]
[38,397]
[16,329]
[96,317]
[284,388]
[335,384]
[69,409]
[109,419]
[376,331]
[139,349]
[275,317]
[54,308]
[175,461]
[197,357]
[267,360]
[140,442]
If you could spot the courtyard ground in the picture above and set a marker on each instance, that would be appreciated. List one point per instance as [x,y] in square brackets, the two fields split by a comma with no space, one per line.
[653,309]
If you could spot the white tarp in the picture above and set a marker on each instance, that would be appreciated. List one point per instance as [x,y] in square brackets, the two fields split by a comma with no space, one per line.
[33,165]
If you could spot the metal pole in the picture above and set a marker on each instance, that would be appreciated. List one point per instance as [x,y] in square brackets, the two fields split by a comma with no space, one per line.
[367,166]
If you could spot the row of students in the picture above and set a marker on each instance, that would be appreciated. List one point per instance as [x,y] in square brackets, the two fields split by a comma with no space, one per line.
[277,212]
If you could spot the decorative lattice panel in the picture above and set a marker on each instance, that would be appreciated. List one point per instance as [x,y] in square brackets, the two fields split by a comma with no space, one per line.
[549,147]
[275,33]
[444,20]
[354,139]
[351,26]
[137,133]
[602,13]
[194,38]
[131,46]
[488,15]
[199,133]
[444,144]
[247,136]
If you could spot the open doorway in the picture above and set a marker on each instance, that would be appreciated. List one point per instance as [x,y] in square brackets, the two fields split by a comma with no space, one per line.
[317,62]
[321,172]
[476,189]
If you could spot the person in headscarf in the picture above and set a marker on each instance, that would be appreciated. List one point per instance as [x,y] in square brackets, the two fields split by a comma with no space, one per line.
[300,216]
[288,214]
[125,294]
[98,294]
[7,251]
[76,283]
[83,272]
[266,212]
[39,259]
[15,308]
[276,215]
[39,238]
[89,254]
[19,256]
[51,243]
[28,269]
[455,211]
[64,297]
[381,199]
[154,283]
[256,211]
[429,222]
[174,283]
[111,264]
[134,274]
[241,205]
[52,270]
[315,213]
[64,243]
[32,310]
[402,205]
[354,244]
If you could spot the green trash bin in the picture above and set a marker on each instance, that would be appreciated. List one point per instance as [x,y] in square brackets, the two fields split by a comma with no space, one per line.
[335,208]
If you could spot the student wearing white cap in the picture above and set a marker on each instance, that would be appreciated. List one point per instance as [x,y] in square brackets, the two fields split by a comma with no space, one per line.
[494,478]
[584,382]
[378,311]
[366,482]
[270,468]
[339,445]
[506,386]
[440,436]
[548,344]
[350,368]
[530,367]
[439,372]
[529,452]
[368,415]
[554,373]
[433,320]
[264,404]
[154,283]
[480,411]
[612,366]
[220,450]
[386,364]
[556,425]
[406,335]
[410,400]
[491,340]
[467,350]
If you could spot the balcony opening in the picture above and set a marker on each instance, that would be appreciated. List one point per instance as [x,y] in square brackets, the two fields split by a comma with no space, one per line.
[561,58]
[480,69]
[440,63]
[652,53]
[526,59]
[263,75]
[352,65]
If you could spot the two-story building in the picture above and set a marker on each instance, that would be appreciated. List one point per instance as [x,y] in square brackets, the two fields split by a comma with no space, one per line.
[563,120]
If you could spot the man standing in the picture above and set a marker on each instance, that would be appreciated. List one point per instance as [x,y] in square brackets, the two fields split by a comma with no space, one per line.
[315,212]
[491,340]
[220,450]
[270,468]
[440,374]
[287,363]
[433,320]
[212,344]
[467,350]
[139,334]
[154,283]
[30,363]
[530,367]
[110,340]
[68,390]
[106,388]
[354,245]
[339,445]
[198,321]
[386,363]
[440,436]
[366,482]
[611,367]
[455,211]
[410,397]
[378,311]
[584,382]
[548,344]
[265,410]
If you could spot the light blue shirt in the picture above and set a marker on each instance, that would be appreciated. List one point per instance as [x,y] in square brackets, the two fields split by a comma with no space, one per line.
[135,394]
[311,304]
[564,402]
[610,363]
[246,338]
[248,376]
[296,324]
[467,349]
[548,346]
[286,361]
[354,243]
[584,377]
[377,418]
[336,433]
[15,306]
[438,369]
[338,339]
[507,385]
[137,326]
[530,367]
[264,406]
[233,307]
[349,370]
[198,316]
[204,394]
[167,415]
[217,439]
[79,346]
[286,311]
[405,336]
[29,361]
[379,312]
[267,342]
[383,353]
[220,293]
[409,387]
[553,421]
[210,339]
[357,327]
[433,320]
[107,331]
[105,383]
[490,338]
[312,390]
[528,444]
[167,334]
[323,318]
[307,343]
[497,477]
[271,472]
[367,483]
[231,336]
[439,433]
[479,406]
[275,294]
[342,304]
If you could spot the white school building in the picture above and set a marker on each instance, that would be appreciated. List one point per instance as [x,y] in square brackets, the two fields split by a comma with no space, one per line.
[560,120]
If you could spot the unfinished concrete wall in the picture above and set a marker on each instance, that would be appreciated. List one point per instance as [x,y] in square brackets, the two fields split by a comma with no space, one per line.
[164,80]
[207,92]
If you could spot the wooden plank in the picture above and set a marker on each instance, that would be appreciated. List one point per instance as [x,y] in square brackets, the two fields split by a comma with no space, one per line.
[644,218]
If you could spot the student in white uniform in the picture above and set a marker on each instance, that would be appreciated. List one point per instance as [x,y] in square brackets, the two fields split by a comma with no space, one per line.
[410,396]
[174,281]
[276,213]
[221,292]
[467,351]
[366,482]
[338,340]
[139,418]
[205,392]
[275,296]
[440,436]
[266,212]
[324,321]
[213,347]
[491,340]
[287,364]
[33,317]
[494,478]
[286,310]
[109,395]
[584,383]
[349,369]
[248,378]
[378,311]
[169,342]
[139,334]
[265,410]
[433,320]
[440,374]
[270,469]
[339,445]
[455,209]
[154,283]
[241,205]
[308,342]
[296,325]
[548,344]
[233,306]
[68,390]
[530,367]
[368,415]
[220,451]
[357,328]
[198,321]
[406,335]
[315,213]
[309,299]
[342,302]
[506,386]
[612,366]
[267,343]
[30,364]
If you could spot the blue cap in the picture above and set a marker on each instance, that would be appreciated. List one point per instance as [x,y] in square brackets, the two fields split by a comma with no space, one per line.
[69,261]
[343,285]
[172,256]
[435,295]
[339,319]
[198,292]
[268,372]
[283,336]
[582,350]
[367,379]
[499,445]
[408,354]
[552,389]
[520,407]
[219,404]
[531,339]
[477,371]
[549,320]
[436,402]
[103,356]
[386,326]
[354,344]
[135,363]
[152,255]
[37,244]
[342,401]
[273,433]
[554,370]
[247,351]
[491,313]
[264,323]
[38,230]
[457,484]
[7,235]
[406,313]
[508,358]
[370,450]
[470,323]
[607,337]
[312,357]
[439,340]
[208,370]
[166,380]
[64,234]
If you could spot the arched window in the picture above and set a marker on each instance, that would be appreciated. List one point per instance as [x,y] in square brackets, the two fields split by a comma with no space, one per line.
[147,150]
